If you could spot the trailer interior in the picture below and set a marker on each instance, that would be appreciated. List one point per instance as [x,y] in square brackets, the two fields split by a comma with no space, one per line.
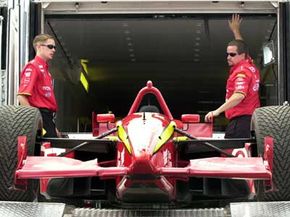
[183,54]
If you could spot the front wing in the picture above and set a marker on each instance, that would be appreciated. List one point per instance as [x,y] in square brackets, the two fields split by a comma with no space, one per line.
[216,167]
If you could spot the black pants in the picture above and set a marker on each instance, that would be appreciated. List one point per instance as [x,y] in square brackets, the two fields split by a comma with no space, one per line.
[48,122]
[239,127]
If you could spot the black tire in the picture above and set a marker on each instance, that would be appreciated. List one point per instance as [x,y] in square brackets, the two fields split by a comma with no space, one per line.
[16,121]
[274,121]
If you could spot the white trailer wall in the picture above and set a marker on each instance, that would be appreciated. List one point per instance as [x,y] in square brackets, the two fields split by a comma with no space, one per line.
[17,45]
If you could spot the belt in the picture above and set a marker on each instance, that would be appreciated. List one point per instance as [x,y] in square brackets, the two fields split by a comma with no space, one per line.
[45,110]
[240,116]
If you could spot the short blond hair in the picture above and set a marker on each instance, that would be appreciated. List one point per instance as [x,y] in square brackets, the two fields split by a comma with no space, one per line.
[41,38]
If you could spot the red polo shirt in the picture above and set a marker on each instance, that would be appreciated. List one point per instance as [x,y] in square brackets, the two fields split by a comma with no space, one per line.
[36,84]
[244,78]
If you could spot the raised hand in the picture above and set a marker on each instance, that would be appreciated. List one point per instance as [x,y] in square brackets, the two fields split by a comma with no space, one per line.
[234,25]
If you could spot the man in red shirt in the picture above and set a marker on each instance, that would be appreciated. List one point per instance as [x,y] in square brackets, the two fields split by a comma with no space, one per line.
[242,90]
[36,86]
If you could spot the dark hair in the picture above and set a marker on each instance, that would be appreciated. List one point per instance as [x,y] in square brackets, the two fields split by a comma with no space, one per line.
[241,45]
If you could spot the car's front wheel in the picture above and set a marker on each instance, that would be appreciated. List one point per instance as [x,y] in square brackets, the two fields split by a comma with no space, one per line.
[274,121]
[16,121]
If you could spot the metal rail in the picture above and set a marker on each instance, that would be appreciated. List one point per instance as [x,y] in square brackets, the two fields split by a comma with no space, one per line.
[86,143]
[204,143]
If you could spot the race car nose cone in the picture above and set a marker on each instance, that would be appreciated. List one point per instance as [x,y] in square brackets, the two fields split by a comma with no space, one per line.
[142,165]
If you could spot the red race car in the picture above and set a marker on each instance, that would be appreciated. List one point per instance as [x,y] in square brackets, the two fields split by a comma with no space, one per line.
[146,157]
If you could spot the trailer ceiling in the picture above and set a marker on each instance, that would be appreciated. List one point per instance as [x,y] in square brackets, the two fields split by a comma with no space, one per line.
[157,6]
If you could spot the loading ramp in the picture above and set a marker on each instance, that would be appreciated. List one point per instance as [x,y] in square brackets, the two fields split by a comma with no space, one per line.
[241,209]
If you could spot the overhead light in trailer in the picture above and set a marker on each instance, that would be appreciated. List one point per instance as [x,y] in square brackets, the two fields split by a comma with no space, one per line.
[84,63]
[84,82]
[83,76]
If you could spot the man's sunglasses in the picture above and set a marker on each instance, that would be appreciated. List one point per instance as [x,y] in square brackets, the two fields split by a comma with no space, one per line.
[232,54]
[50,46]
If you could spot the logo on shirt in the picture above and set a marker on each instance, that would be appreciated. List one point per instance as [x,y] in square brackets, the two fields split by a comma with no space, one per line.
[46,88]
[26,82]
[47,91]
[256,86]
[41,69]
[27,74]
[252,69]
[47,94]
[240,87]
[240,82]
[239,79]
